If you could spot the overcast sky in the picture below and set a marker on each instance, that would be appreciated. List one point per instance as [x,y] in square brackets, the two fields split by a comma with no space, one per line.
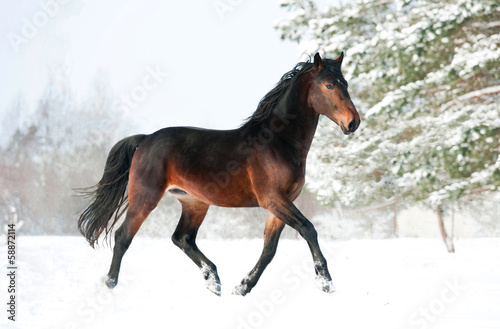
[199,63]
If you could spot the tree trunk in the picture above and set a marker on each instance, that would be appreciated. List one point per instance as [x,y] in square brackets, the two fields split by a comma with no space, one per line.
[447,240]
[453,225]
[395,220]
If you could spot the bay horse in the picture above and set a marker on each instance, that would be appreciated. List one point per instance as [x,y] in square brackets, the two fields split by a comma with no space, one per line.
[260,164]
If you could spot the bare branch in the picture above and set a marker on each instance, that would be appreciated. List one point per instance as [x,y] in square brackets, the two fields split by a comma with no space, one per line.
[473,94]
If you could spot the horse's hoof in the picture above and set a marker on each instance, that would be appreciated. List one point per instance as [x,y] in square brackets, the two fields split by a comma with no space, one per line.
[325,285]
[240,290]
[214,287]
[212,283]
[110,282]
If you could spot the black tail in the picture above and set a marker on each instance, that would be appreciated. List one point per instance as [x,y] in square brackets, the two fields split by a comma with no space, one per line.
[109,200]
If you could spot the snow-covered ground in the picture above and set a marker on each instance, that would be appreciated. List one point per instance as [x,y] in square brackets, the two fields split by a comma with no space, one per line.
[399,283]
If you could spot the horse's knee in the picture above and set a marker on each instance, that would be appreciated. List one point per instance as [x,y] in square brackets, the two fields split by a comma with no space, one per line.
[182,241]
[307,231]
[176,239]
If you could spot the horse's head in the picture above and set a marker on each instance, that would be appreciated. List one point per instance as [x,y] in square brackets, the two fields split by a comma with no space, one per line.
[328,94]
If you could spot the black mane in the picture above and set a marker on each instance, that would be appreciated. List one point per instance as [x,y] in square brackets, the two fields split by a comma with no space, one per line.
[273,97]
[332,68]
[269,102]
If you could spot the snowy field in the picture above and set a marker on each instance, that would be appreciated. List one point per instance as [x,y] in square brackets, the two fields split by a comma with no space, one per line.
[399,283]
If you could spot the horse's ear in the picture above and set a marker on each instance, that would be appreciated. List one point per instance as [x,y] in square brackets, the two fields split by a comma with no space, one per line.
[340,58]
[318,62]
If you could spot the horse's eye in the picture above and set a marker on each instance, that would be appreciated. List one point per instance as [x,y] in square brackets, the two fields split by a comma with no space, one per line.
[329,86]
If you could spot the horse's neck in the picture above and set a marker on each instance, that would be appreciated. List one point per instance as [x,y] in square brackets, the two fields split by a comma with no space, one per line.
[298,120]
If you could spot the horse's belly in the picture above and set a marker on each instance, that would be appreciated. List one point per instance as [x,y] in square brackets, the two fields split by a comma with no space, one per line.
[224,188]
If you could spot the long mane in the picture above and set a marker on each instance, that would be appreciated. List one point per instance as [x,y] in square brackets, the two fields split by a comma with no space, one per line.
[271,100]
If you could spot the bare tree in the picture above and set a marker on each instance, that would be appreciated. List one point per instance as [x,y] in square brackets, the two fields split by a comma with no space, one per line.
[447,240]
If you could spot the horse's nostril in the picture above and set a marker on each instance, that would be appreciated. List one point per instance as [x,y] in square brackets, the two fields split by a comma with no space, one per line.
[352,126]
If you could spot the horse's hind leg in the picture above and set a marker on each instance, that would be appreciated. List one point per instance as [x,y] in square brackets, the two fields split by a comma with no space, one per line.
[142,202]
[193,214]
[272,233]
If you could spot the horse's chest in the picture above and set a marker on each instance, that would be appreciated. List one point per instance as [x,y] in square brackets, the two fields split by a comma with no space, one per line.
[288,178]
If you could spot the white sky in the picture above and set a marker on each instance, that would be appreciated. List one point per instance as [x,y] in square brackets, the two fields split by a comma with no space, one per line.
[218,69]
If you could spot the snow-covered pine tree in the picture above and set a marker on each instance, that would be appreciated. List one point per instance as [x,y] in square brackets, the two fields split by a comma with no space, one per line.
[426,76]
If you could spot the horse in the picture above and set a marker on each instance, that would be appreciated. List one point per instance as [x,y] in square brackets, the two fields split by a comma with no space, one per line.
[260,164]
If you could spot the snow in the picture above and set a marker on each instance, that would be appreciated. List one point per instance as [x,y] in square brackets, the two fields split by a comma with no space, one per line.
[396,283]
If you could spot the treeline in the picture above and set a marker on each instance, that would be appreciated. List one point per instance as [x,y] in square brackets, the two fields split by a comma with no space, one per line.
[50,151]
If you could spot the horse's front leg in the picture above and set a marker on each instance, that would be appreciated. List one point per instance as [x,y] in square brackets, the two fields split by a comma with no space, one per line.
[286,211]
[272,233]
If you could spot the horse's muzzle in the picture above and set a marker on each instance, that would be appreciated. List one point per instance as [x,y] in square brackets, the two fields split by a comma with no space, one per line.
[351,127]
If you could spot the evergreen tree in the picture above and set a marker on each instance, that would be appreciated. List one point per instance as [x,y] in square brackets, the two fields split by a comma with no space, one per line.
[426,77]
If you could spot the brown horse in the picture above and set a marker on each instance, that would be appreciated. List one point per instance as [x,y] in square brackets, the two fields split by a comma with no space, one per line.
[260,164]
